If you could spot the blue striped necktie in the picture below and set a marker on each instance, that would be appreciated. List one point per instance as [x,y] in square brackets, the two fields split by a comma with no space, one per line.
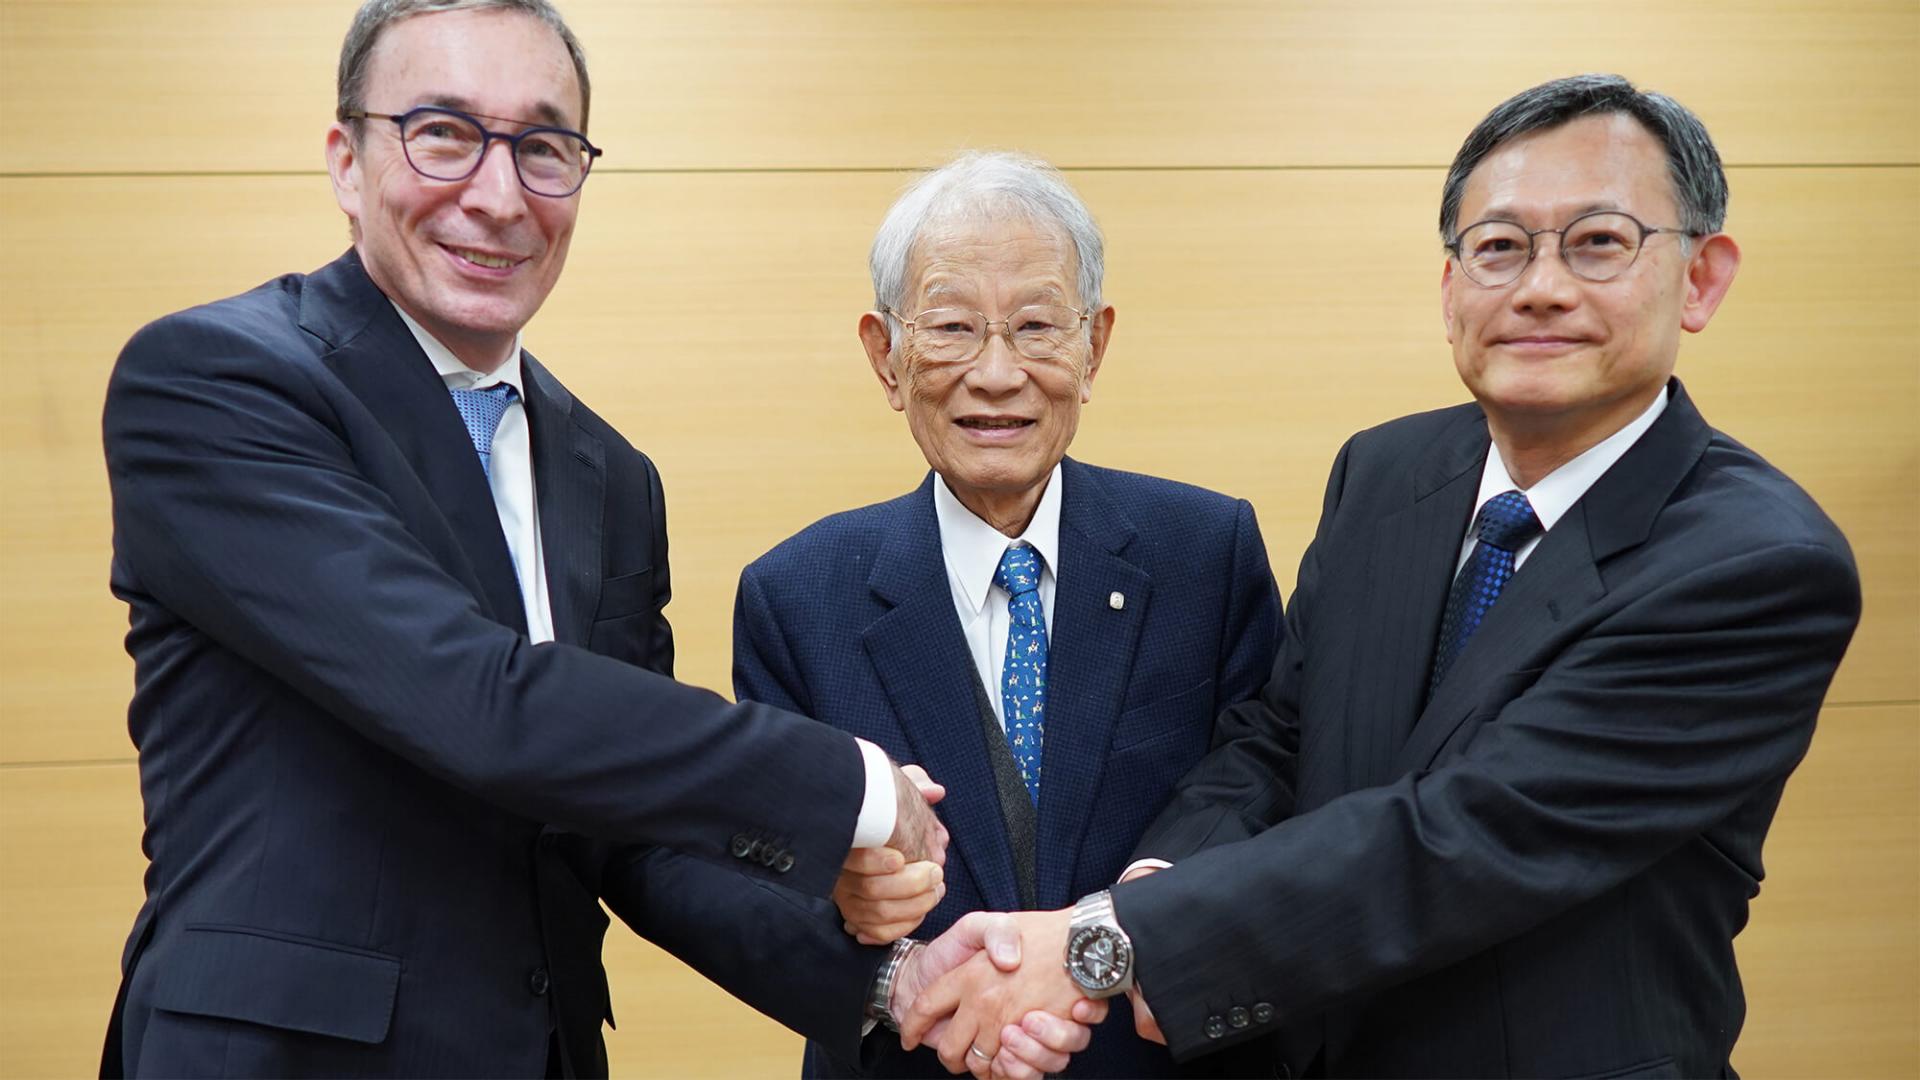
[1023,678]
[1503,527]
[481,411]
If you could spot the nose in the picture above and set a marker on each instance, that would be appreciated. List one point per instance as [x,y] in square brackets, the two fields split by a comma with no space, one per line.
[997,370]
[494,189]
[1545,284]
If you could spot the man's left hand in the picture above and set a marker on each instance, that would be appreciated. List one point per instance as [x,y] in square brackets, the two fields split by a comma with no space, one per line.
[980,1003]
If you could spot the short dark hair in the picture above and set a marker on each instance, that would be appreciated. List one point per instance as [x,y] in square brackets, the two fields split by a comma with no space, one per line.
[1699,183]
[375,16]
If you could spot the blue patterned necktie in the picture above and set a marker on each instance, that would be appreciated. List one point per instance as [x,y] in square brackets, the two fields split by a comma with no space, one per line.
[1023,679]
[1504,526]
[481,411]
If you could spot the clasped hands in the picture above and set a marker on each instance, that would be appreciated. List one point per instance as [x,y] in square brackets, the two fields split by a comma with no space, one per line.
[966,993]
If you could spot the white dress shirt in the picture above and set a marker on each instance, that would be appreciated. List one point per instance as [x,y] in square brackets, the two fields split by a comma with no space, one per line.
[511,469]
[1556,492]
[511,476]
[972,550]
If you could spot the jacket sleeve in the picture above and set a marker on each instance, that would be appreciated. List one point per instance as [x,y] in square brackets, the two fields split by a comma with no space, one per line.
[1247,781]
[1681,710]
[240,507]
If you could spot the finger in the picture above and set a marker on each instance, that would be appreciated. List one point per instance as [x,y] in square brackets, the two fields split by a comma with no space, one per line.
[1089,1012]
[929,790]
[914,879]
[954,1048]
[1144,1024]
[1028,1053]
[936,1002]
[1061,1036]
[1000,936]
[866,862]
[940,838]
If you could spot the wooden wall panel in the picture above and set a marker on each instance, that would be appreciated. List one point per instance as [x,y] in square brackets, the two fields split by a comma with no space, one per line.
[1829,960]
[1266,174]
[118,85]
[1235,364]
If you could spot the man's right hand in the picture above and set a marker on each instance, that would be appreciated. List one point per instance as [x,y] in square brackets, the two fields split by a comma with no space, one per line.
[918,834]
[882,896]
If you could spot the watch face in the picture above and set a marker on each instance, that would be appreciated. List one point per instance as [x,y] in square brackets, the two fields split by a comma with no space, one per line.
[1098,958]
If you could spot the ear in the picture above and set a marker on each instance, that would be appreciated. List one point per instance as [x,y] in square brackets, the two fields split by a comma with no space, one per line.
[875,340]
[1709,275]
[342,157]
[1446,298]
[1099,332]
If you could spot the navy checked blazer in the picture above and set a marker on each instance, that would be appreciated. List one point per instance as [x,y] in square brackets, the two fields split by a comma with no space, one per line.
[852,622]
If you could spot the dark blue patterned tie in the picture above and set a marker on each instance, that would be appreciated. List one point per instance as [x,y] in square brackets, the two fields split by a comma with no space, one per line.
[481,410]
[1503,527]
[1023,679]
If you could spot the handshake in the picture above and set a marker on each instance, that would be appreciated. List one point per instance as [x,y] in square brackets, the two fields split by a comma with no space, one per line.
[992,995]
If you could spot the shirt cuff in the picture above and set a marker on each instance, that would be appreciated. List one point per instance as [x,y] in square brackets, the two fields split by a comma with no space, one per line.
[1156,864]
[879,807]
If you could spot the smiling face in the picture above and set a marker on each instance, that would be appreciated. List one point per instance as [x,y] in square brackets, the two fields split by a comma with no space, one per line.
[469,260]
[995,427]
[1557,361]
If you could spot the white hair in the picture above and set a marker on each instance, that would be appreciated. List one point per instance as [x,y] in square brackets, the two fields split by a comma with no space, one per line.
[983,184]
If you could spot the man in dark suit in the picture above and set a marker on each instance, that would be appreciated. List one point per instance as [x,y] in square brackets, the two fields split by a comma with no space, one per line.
[1552,656]
[396,616]
[1050,639]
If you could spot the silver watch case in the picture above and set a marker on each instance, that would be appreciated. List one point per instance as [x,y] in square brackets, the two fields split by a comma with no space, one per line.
[1099,959]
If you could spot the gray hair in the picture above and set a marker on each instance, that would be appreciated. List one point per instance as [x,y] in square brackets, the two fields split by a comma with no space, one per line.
[376,15]
[1699,183]
[984,184]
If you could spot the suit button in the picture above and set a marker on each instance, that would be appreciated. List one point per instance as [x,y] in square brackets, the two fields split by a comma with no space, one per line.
[741,845]
[1237,1016]
[784,863]
[538,982]
[1263,1013]
[1216,1027]
[770,855]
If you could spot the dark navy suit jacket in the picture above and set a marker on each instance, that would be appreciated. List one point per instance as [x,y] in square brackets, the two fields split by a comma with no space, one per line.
[852,622]
[1540,870]
[357,770]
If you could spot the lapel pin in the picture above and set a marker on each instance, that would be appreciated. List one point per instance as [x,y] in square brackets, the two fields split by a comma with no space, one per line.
[1116,601]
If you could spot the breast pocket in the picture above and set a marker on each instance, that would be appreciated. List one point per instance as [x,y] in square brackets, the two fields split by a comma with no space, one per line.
[1184,717]
[624,595]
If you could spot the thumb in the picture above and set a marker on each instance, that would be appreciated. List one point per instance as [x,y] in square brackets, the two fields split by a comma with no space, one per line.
[929,790]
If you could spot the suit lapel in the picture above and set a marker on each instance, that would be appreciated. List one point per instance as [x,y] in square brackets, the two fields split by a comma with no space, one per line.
[1562,576]
[569,479]
[1089,661]
[1410,567]
[376,357]
[923,663]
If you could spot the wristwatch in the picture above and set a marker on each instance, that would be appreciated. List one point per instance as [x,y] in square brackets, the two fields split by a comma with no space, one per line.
[1099,953]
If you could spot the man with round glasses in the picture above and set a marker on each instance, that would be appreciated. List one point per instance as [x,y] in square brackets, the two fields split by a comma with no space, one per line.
[1550,660]
[1049,638]
[396,602]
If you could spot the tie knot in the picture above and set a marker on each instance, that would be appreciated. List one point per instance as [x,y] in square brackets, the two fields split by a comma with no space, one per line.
[1507,521]
[1019,570]
[481,411]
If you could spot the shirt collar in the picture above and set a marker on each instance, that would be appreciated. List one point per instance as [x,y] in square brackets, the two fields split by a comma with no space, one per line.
[457,375]
[1556,492]
[973,548]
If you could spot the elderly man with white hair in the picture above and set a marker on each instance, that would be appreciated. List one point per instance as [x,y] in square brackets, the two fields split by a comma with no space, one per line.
[1049,639]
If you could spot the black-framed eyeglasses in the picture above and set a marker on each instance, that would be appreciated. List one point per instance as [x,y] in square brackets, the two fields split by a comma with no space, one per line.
[447,144]
[1597,247]
[957,335]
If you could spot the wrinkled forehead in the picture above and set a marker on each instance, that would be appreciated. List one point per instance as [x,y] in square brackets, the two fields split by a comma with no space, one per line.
[1002,244]
[495,62]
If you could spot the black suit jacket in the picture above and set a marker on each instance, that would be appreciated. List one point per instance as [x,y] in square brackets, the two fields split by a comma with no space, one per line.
[1541,870]
[356,768]
[852,621]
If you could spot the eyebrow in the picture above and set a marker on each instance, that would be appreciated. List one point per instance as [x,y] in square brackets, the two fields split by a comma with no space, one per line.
[549,114]
[1505,212]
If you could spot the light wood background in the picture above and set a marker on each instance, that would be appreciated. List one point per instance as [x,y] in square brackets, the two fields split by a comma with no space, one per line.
[1267,174]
